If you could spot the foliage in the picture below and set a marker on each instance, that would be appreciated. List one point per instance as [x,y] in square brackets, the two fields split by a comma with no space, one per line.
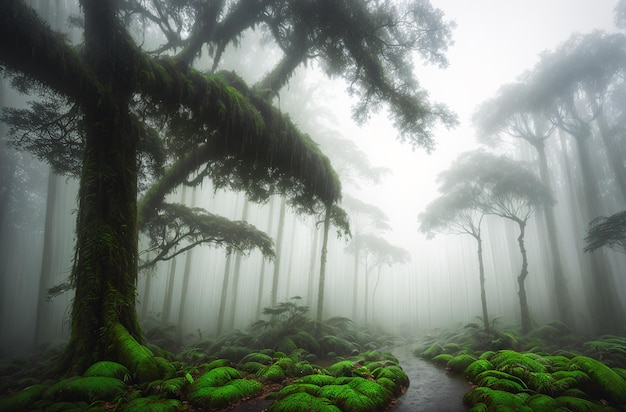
[22,400]
[89,389]
[607,232]
[109,369]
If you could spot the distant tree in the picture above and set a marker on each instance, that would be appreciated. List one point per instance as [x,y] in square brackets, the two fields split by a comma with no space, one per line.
[458,213]
[506,188]
[607,232]
[376,252]
[576,82]
[364,218]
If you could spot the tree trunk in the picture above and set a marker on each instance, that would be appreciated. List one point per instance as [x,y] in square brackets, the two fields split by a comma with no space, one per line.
[312,264]
[230,324]
[481,276]
[323,257]
[279,243]
[182,309]
[104,320]
[523,301]
[223,296]
[169,293]
[355,285]
[559,285]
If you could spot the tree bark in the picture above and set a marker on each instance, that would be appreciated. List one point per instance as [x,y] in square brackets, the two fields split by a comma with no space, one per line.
[523,301]
[481,276]
[279,244]
[322,281]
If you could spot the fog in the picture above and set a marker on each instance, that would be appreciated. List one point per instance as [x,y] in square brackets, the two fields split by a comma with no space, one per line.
[496,42]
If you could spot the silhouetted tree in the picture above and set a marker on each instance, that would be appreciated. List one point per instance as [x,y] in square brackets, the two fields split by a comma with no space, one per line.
[457,213]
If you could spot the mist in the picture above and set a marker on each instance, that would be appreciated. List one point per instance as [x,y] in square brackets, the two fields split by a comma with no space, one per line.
[386,275]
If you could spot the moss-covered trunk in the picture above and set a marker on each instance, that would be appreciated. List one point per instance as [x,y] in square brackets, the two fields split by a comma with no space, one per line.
[104,321]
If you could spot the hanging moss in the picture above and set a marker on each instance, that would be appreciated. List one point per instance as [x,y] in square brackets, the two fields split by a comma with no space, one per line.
[109,369]
[22,400]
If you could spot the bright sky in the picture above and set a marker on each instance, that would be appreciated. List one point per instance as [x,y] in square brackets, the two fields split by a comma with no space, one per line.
[495,41]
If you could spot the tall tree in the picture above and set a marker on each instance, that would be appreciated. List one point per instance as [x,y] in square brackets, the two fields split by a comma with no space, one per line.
[456,212]
[503,187]
[516,112]
[133,103]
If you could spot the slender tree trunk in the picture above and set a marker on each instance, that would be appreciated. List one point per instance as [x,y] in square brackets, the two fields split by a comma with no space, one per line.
[559,281]
[237,274]
[47,256]
[607,310]
[312,264]
[259,300]
[223,296]
[104,319]
[182,308]
[523,301]
[279,244]
[169,293]
[355,285]
[322,281]
[481,276]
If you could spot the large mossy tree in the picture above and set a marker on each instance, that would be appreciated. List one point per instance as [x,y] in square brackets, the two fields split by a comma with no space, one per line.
[132,105]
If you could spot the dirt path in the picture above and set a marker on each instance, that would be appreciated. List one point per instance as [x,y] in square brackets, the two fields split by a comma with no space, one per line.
[432,389]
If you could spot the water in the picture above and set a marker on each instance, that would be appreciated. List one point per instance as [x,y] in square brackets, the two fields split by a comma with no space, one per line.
[432,388]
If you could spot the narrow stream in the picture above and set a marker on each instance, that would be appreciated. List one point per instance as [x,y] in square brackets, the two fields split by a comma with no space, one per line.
[431,388]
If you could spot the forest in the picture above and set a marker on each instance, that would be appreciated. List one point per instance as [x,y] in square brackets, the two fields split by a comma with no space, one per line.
[203,207]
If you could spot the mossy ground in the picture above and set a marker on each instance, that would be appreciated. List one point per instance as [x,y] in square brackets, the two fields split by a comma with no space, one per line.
[558,371]
[216,374]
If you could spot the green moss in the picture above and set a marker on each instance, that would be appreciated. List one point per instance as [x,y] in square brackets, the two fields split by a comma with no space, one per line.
[507,359]
[298,387]
[394,373]
[570,403]
[215,377]
[432,351]
[109,369]
[608,383]
[319,380]
[272,373]
[492,398]
[137,358]
[303,402]
[257,357]
[476,367]
[488,376]
[442,359]
[90,389]
[459,363]
[341,368]
[252,367]
[22,400]
[542,403]
[217,363]
[288,365]
[152,405]
[174,386]
[502,384]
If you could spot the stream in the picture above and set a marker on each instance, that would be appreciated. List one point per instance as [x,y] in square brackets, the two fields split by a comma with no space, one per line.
[432,389]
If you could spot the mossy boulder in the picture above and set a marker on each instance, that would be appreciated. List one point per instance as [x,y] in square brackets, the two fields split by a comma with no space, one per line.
[152,405]
[603,379]
[22,400]
[221,387]
[88,389]
[303,402]
[109,369]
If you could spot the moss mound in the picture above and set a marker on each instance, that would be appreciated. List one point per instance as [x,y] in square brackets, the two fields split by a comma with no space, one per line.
[89,389]
[22,400]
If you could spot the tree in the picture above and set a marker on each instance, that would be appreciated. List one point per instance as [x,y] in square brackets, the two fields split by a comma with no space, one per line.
[375,253]
[136,104]
[516,112]
[607,232]
[506,188]
[456,212]
[576,81]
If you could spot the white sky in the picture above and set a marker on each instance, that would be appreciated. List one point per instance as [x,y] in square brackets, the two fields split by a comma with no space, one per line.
[495,41]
